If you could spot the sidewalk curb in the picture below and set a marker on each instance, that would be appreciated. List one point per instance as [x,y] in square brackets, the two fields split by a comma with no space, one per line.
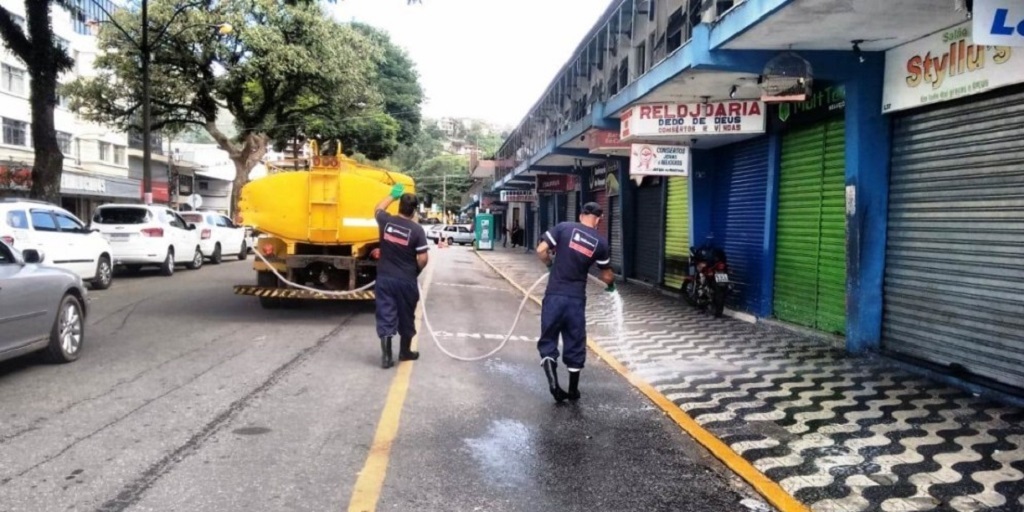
[766,487]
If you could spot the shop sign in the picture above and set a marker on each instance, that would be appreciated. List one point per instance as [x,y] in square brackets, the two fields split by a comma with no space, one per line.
[945,66]
[822,103]
[684,119]
[654,160]
[161,192]
[998,22]
[555,183]
[15,176]
[606,142]
[82,185]
[519,196]
[599,177]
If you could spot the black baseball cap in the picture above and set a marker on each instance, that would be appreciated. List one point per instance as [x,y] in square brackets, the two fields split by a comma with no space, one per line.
[592,208]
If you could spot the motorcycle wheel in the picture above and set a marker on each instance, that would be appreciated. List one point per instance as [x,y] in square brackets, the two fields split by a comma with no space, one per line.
[690,292]
[718,300]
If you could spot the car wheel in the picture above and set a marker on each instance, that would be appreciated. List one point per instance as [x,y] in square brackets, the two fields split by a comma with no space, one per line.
[68,331]
[244,253]
[451,241]
[197,260]
[104,274]
[167,268]
[217,257]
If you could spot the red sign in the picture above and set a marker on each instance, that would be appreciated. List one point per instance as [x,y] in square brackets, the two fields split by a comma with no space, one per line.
[555,183]
[15,176]
[161,194]
[605,141]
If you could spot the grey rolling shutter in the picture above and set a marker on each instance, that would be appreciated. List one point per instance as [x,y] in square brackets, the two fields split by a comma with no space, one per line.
[954,278]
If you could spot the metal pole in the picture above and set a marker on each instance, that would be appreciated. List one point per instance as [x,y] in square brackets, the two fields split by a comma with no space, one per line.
[444,197]
[147,149]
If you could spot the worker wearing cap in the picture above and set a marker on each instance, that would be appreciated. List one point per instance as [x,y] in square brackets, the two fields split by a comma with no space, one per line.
[403,255]
[576,246]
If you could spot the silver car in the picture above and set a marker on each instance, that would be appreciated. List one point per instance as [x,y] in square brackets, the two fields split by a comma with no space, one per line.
[41,308]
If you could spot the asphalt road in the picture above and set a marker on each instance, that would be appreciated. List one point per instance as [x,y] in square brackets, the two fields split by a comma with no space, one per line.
[188,397]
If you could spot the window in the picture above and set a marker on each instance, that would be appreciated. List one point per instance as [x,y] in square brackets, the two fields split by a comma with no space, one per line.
[118,155]
[204,185]
[192,217]
[17,219]
[68,223]
[42,220]
[64,142]
[105,151]
[121,215]
[15,132]
[175,220]
[641,58]
[226,222]
[13,80]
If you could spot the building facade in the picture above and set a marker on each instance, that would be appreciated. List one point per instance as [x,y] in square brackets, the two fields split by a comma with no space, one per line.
[858,200]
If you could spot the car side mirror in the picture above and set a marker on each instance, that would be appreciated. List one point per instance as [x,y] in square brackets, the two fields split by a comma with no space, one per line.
[191,227]
[32,256]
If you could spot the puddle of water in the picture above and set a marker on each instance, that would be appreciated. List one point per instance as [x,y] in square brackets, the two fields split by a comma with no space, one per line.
[617,316]
[505,453]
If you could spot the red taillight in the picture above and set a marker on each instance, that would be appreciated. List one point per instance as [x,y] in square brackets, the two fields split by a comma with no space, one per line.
[206,234]
[8,239]
[268,249]
[153,232]
[720,266]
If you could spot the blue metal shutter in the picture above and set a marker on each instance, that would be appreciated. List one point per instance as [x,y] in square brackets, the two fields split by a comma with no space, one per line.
[737,218]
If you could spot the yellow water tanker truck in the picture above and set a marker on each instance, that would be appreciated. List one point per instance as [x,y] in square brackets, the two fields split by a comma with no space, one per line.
[318,230]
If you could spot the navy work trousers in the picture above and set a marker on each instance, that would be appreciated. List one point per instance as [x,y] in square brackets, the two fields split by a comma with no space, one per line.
[565,316]
[396,307]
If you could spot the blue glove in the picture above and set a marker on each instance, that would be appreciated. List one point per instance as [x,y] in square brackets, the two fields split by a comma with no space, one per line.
[610,288]
[397,191]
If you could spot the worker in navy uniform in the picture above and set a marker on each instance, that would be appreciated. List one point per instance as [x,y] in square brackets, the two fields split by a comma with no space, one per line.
[403,255]
[576,247]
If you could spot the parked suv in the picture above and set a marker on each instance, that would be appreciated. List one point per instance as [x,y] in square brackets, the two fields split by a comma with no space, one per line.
[62,237]
[218,235]
[148,235]
[462,235]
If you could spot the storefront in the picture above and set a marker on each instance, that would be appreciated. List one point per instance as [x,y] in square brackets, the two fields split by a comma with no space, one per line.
[738,217]
[648,226]
[954,270]
[82,193]
[604,185]
[677,231]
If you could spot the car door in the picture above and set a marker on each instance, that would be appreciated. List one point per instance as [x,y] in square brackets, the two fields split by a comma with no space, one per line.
[23,304]
[82,251]
[235,235]
[47,238]
[465,235]
[185,240]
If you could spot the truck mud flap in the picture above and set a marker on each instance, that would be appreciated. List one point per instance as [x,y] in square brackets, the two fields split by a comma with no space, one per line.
[290,293]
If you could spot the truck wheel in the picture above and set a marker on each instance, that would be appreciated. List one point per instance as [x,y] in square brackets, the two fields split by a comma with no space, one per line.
[268,280]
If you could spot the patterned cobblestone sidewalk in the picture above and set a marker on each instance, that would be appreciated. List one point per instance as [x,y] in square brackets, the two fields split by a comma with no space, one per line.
[839,433]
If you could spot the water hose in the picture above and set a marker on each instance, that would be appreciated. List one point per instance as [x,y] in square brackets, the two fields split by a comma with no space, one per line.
[426,318]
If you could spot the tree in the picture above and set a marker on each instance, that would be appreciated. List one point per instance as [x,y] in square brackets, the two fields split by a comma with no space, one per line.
[283,60]
[430,177]
[37,48]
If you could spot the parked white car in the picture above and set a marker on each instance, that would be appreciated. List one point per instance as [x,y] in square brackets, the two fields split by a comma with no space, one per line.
[62,237]
[148,235]
[218,236]
[454,234]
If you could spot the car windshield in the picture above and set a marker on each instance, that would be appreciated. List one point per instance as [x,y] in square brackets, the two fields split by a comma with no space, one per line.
[192,217]
[121,215]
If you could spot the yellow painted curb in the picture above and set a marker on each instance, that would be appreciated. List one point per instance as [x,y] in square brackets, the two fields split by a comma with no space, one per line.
[772,491]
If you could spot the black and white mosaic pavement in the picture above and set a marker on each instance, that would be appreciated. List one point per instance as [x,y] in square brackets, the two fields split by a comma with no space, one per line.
[838,432]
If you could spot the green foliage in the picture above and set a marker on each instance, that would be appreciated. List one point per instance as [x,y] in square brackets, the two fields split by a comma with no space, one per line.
[430,178]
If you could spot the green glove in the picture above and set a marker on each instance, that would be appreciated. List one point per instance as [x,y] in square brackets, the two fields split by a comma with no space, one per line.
[397,190]
[611,288]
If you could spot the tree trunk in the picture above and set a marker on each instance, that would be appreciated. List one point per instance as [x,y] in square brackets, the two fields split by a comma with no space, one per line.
[253,149]
[49,162]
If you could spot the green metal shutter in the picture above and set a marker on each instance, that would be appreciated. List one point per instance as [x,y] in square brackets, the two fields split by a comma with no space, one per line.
[810,269]
[677,232]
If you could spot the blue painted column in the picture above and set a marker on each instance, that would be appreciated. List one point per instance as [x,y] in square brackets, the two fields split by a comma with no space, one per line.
[868,139]
[702,188]
[771,223]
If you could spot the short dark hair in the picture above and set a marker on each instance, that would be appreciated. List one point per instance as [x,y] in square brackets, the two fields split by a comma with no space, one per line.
[592,208]
[407,205]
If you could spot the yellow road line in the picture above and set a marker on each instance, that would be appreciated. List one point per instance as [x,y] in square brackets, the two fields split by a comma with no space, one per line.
[772,491]
[368,486]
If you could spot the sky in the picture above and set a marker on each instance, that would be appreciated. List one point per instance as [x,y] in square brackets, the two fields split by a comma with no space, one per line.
[482,59]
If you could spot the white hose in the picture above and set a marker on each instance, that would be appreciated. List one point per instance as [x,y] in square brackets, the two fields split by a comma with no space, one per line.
[426,318]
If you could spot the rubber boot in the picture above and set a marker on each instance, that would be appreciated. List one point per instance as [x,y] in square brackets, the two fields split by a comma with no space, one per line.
[574,386]
[550,368]
[386,360]
[404,354]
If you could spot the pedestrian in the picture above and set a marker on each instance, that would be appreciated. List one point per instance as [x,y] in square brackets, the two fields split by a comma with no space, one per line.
[576,246]
[516,233]
[403,256]
[504,235]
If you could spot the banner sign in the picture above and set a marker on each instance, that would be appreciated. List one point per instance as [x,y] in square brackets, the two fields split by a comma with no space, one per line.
[606,142]
[998,22]
[823,102]
[15,176]
[599,177]
[555,183]
[518,196]
[945,66]
[653,160]
[676,119]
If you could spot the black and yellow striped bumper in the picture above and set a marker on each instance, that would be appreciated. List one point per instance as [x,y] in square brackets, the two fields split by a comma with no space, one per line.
[291,293]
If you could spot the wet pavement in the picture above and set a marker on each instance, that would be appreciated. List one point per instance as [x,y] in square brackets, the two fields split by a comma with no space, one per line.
[839,433]
[188,397]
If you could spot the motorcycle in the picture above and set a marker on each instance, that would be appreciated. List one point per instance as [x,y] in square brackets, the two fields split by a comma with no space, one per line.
[707,281]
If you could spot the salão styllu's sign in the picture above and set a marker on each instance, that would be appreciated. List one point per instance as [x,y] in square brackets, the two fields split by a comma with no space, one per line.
[945,66]
[669,120]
